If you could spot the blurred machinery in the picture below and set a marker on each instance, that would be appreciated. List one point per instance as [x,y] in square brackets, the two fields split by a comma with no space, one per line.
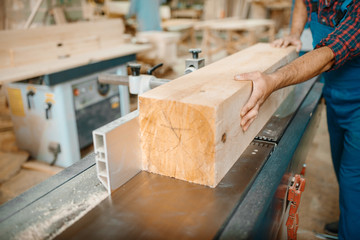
[54,114]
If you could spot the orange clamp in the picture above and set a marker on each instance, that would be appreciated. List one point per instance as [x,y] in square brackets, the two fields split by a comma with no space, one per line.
[294,196]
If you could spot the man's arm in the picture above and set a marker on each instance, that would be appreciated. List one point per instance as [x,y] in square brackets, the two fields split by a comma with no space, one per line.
[297,26]
[300,70]
[345,39]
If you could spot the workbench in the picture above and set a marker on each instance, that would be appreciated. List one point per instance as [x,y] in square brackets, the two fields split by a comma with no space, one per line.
[185,26]
[231,34]
[250,202]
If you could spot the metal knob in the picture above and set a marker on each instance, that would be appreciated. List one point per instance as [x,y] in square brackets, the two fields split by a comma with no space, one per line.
[135,69]
[195,52]
[151,70]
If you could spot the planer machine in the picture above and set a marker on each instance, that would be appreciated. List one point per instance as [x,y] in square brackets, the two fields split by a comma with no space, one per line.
[257,199]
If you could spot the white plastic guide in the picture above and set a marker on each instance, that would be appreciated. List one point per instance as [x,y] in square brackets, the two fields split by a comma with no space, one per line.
[117,149]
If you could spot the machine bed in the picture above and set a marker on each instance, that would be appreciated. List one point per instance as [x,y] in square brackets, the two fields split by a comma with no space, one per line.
[249,202]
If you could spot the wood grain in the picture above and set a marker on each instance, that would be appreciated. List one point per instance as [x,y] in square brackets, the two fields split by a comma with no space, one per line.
[190,127]
[26,46]
[56,65]
[34,52]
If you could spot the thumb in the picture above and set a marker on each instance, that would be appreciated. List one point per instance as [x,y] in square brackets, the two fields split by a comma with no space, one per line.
[243,76]
[239,77]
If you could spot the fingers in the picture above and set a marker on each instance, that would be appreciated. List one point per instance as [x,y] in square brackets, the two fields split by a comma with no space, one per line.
[287,41]
[251,104]
[254,97]
[250,110]
[247,119]
[277,43]
[247,125]
[282,42]
[244,76]
[251,76]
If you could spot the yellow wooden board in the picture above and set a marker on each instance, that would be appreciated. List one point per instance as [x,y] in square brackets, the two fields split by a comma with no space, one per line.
[16,102]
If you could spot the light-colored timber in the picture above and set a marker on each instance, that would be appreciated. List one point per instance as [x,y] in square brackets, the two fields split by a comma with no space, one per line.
[38,51]
[190,127]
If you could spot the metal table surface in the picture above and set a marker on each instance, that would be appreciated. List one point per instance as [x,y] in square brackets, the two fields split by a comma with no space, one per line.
[266,201]
[154,206]
[151,206]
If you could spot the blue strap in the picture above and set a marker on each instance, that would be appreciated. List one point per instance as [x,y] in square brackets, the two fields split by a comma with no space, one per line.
[340,16]
[345,5]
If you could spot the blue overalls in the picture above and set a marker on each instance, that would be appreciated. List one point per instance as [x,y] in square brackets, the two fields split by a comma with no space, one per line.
[342,95]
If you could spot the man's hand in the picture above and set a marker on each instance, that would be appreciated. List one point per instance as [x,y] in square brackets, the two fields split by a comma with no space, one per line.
[287,41]
[262,87]
[301,69]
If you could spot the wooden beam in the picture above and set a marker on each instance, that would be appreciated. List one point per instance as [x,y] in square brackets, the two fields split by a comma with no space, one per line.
[51,66]
[42,167]
[59,15]
[33,13]
[190,127]
[109,32]
[37,51]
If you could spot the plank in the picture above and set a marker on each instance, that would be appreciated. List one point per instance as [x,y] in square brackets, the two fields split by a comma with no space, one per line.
[10,164]
[242,24]
[33,13]
[190,127]
[178,24]
[28,37]
[46,67]
[26,46]
[116,7]
[5,58]
[214,9]
[59,15]
[53,50]
[42,167]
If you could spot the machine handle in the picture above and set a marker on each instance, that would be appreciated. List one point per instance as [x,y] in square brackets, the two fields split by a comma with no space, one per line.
[195,52]
[135,69]
[48,106]
[29,94]
[151,70]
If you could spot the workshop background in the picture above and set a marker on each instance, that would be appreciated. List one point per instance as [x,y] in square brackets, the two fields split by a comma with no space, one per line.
[182,27]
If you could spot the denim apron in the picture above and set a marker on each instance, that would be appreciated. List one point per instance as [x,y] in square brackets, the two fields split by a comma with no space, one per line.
[342,95]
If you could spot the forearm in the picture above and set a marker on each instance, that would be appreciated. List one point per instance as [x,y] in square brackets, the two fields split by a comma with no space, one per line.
[303,68]
[299,18]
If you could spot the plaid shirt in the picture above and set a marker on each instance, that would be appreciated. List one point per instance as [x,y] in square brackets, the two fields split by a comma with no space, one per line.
[344,41]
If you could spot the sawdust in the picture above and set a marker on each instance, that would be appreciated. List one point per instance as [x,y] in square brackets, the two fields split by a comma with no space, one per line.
[62,218]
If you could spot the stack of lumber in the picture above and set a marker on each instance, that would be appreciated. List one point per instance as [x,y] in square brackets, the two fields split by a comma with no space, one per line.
[190,127]
[26,46]
[35,52]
